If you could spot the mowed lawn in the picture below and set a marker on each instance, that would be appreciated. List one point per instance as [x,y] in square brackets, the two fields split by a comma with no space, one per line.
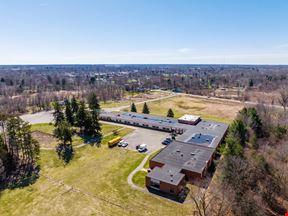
[93,183]
[77,140]
[207,108]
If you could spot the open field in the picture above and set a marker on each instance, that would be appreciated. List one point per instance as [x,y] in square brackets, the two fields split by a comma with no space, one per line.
[44,134]
[135,97]
[207,108]
[94,183]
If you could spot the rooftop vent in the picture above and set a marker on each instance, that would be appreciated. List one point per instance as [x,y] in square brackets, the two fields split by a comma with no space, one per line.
[181,154]
[178,150]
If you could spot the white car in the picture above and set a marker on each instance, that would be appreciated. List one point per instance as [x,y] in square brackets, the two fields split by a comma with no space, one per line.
[120,143]
[142,148]
[124,144]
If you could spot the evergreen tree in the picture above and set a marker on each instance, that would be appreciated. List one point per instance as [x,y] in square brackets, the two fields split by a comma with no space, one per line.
[145,109]
[63,132]
[93,127]
[238,130]
[74,105]
[93,102]
[81,116]
[23,149]
[58,113]
[170,113]
[69,113]
[133,108]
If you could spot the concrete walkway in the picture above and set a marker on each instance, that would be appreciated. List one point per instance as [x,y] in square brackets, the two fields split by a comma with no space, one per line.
[138,168]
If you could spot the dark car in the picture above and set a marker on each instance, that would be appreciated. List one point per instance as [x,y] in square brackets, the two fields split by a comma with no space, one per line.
[167,141]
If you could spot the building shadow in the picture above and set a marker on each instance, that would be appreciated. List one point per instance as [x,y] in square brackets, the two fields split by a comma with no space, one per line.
[176,198]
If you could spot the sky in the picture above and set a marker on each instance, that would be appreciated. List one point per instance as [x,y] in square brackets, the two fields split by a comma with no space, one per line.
[143,32]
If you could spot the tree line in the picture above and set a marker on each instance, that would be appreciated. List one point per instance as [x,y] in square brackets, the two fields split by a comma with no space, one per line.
[19,153]
[146,110]
[252,177]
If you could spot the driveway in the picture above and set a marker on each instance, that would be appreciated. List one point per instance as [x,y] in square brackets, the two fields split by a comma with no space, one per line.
[152,138]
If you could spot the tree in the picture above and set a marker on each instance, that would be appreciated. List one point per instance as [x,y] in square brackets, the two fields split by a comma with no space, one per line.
[81,116]
[251,83]
[58,113]
[93,102]
[238,130]
[283,100]
[170,113]
[93,127]
[133,108]
[145,109]
[232,147]
[63,132]
[68,113]
[74,105]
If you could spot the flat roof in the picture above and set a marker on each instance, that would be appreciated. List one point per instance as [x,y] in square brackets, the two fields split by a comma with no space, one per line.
[190,118]
[167,173]
[215,129]
[185,156]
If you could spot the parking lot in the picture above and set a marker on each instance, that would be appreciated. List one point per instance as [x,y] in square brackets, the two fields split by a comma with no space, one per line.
[152,138]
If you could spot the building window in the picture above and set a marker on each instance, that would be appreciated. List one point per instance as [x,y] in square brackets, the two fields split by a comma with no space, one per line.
[172,191]
[154,183]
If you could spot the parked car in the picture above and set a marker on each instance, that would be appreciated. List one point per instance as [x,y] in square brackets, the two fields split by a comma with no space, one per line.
[120,143]
[124,144]
[167,141]
[142,148]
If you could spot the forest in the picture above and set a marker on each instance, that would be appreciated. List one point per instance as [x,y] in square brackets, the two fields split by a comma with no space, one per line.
[33,88]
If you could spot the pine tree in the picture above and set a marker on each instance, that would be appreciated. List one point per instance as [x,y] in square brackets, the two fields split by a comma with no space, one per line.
[170,113]
[74,105]
[68,113]
[63,132]
[93,127]
[58,113]
[81,116]
[93,102]
[133,108]
[145,109]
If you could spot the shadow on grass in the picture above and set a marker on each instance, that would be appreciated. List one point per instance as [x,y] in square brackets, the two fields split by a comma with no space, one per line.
[23,177]
[91,140]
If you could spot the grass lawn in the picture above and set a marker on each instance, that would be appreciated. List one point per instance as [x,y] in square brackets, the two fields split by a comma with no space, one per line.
[146,165]
[207,108]
[139,178]
[77,140]
[93,183]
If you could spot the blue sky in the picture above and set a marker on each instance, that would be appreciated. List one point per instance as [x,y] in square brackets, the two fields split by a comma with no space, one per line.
[143,31]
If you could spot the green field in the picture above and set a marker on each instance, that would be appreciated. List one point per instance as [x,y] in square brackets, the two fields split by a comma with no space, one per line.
[76,140]
[48,128]
[207,108]
[93,183]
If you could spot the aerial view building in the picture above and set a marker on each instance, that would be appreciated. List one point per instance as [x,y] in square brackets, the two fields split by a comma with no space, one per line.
[187,158]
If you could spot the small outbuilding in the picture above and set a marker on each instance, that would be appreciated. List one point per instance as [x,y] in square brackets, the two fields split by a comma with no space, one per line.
[189,119]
